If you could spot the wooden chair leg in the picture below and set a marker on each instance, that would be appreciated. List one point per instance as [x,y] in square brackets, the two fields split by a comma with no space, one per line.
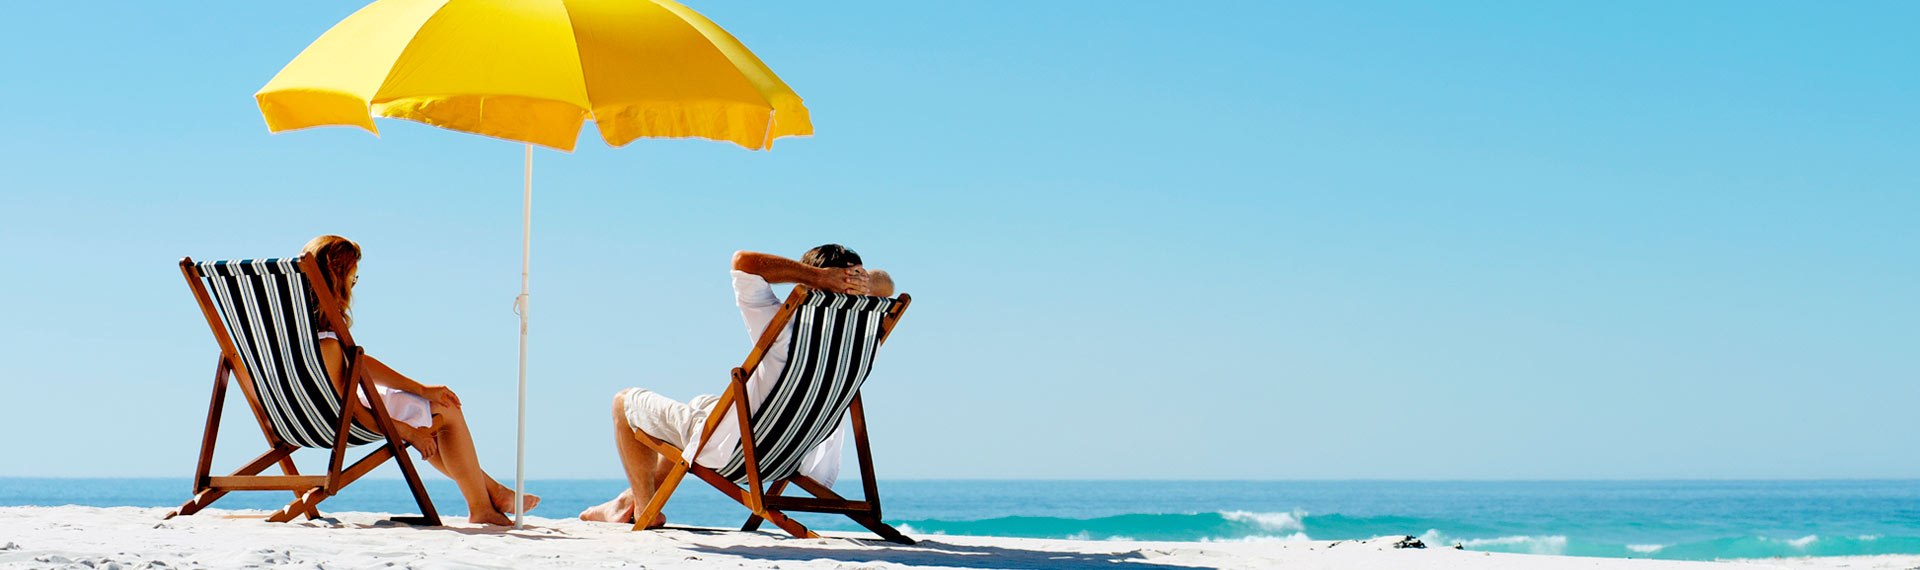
[429,516]
[365,465]
[792,527]
[212,433]
[199,501]
[871,520]
[286,466]
[206,497]
[309,501]
[753,521]
[303,503]
[731,489]
[747,451]
[869,484]
[883,529]
[204,467]
[658,501]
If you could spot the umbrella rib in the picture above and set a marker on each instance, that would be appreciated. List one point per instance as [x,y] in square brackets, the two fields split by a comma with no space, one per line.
[580,64]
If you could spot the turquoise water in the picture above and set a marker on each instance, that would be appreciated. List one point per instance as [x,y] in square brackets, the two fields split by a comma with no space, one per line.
[1691,520]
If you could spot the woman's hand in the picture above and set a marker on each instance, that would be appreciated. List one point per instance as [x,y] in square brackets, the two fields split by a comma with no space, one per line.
[429,446]
[420,439]
[441,395]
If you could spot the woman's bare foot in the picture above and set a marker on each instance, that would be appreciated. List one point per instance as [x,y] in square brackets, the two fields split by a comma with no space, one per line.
[491,517]
[503,499]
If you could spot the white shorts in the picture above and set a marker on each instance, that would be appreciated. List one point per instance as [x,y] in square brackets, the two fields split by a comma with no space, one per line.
[667,419]
[405,407]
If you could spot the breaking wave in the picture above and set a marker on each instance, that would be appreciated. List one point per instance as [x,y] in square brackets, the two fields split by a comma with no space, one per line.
[1247,526]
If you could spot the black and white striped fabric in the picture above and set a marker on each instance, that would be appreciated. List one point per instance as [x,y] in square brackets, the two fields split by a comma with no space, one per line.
[834,338]
[266,306]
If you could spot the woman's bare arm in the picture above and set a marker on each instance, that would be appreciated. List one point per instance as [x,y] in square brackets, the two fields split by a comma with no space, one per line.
[381,375]
[336,362]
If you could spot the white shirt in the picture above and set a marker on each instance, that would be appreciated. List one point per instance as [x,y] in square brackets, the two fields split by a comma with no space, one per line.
[758,305]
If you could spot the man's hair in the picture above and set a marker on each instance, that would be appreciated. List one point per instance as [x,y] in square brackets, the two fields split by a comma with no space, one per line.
[831,256]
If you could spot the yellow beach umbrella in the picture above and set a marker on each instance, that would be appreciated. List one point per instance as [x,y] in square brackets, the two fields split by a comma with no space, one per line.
[533,71]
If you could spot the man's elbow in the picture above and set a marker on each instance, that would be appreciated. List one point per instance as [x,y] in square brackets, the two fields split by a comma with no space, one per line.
[880,283]
[742,260]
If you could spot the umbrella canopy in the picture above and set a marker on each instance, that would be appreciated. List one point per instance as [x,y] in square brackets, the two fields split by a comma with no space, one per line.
[534,70]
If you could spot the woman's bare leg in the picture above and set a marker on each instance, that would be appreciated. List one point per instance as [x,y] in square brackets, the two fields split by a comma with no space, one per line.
[487,499]
[458,460]
[502,495]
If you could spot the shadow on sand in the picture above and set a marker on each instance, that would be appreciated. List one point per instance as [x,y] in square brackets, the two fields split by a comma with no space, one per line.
[935,553]
[531,532]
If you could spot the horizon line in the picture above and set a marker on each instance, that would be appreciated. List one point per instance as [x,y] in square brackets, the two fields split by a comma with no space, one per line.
[1160,480]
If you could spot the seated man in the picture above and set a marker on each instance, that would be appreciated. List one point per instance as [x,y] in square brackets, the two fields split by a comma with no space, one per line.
[829,267]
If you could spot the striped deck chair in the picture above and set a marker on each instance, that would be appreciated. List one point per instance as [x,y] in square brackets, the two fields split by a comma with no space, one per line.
[260,314]
[834,340]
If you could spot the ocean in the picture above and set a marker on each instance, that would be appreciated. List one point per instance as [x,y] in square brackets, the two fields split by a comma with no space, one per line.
[1687,520]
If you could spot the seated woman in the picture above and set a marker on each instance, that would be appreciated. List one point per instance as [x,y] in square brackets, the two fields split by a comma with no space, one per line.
[427,417]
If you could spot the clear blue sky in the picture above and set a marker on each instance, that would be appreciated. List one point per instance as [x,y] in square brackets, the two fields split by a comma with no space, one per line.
[1255,240]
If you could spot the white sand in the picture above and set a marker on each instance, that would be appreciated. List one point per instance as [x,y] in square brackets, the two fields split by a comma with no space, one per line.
[130,538]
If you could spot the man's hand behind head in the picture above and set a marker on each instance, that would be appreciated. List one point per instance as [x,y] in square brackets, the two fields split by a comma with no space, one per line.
[857,280]
[849,280]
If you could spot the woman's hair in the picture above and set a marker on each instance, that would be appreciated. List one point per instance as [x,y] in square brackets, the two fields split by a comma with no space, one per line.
[337,256]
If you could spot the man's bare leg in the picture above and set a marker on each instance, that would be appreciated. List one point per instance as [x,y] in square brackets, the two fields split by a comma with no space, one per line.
[645,470]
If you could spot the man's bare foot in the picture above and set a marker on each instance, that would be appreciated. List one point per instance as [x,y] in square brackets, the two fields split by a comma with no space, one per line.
[659,520]
[619,510]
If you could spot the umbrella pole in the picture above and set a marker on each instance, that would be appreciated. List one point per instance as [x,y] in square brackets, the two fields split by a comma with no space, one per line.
[523,303]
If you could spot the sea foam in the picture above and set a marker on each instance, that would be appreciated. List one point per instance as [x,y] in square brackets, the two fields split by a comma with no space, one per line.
[1554,545]
[1800,543]
[1278,522]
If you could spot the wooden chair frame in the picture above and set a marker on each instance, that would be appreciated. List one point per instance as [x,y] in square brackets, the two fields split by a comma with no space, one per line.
[309,490]
[768,504]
